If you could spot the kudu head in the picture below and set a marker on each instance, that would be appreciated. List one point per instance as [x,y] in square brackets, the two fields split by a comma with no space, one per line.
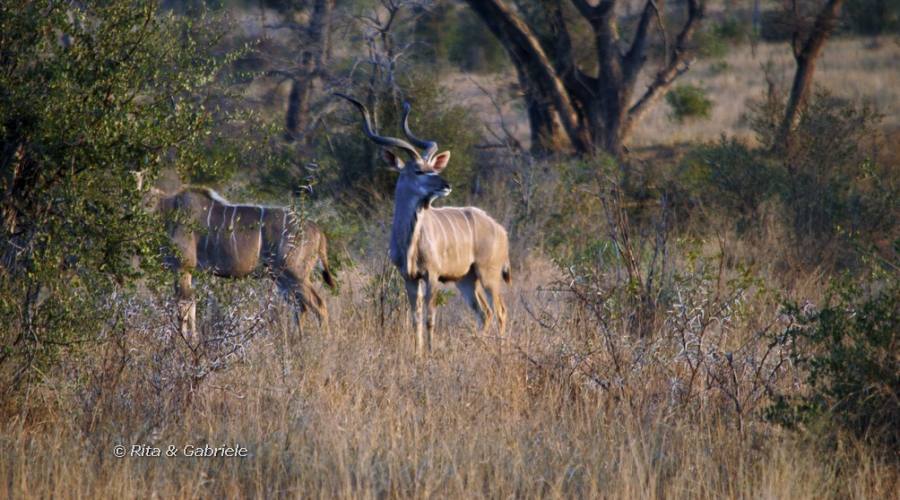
[152,197]
[420,181]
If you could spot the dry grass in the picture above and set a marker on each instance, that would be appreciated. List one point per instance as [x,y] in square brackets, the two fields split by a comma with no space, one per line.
[850,68]
[354,414]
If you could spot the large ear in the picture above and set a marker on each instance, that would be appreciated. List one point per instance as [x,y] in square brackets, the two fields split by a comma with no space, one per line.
[440,161]
[392,159]
[138,178]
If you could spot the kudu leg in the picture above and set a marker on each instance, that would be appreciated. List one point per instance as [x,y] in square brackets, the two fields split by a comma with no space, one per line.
[430,311]
[485,304]
[413,293]
[311,299]
[187,307]
[493,296]
[468,288]
[290,290]
[493,302]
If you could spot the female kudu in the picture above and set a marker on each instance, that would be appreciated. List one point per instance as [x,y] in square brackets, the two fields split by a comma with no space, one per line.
[233,241]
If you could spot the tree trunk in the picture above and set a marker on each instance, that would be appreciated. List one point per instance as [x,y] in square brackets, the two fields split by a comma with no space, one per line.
[529,57]
[313,56]
[806,57]
[547,136]
[593,110]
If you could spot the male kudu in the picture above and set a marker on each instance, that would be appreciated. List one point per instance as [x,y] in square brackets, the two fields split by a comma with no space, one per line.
[448,244]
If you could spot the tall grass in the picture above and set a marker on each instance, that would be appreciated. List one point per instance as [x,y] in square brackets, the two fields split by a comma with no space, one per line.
[355,414]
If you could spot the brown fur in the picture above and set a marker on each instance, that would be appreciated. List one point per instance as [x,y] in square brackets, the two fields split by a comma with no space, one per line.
[234,241]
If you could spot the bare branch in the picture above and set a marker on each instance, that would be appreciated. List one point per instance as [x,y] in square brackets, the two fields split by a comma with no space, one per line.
[510,139]
[634,59]
[678,64]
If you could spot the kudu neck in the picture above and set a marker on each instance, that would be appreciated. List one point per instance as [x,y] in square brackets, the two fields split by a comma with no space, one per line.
[407,211]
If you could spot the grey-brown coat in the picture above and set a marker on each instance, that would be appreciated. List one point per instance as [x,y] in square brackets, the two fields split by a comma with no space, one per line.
[234,241]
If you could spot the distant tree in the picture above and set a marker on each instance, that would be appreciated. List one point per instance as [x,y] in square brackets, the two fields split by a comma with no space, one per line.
[572,104]
[313,38]
[807,42]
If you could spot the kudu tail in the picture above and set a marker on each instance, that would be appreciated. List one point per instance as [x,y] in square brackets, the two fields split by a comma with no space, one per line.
[327,277]
[507,277]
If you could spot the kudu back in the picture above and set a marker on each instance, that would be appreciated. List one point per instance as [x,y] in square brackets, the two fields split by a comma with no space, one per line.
[234,241]
[429,245]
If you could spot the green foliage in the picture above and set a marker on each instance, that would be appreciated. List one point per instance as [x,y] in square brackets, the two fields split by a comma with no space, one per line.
[709,45]
[730,175]
[91,94]
[832,185]
[848,352]
[575,236]
[688,102]
[776,25]
[732,29]
[829,187]
[715,39]
[456,35]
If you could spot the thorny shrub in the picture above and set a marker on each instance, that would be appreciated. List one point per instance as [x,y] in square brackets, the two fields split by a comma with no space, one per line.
[148,372]
[664,328]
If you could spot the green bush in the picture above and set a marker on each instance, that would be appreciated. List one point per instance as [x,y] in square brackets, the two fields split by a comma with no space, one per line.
[455,34]
[730,175]
[848,351]
[709,45]
[830,188]
[733,30]
[688,102]
[775,26]
[715,39]
[831,183]
[91,95]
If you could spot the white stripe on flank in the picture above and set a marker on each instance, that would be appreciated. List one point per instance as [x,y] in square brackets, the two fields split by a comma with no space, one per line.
[443,231]
[471,228]
[262,215]
[224,222]
[427,231]
[458,237]
[216,196]
[284,229]
[451,243]
[456,231]
[233,232]
[208,228]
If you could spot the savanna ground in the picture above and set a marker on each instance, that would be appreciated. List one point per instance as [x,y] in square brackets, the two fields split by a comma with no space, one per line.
[607,385]
[354,413]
